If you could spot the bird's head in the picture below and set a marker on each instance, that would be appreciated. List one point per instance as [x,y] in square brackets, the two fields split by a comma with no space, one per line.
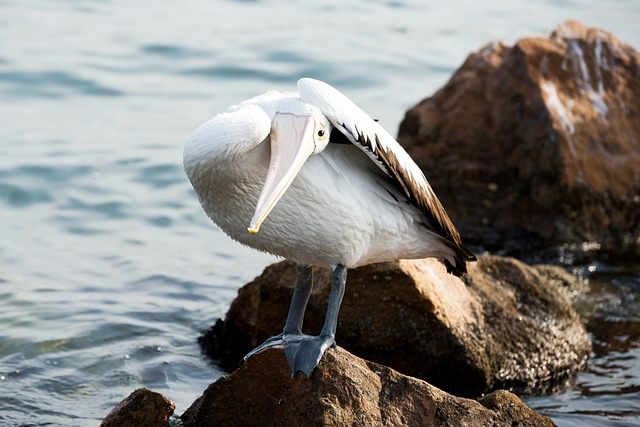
[295,135]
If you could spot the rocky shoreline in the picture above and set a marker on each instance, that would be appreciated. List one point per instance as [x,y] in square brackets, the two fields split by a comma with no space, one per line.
[531,148]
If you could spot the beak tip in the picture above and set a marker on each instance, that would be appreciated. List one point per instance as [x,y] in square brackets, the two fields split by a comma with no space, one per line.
[253,230]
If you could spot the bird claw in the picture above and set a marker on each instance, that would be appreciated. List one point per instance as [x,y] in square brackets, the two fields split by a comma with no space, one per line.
[271,342]
[304,352]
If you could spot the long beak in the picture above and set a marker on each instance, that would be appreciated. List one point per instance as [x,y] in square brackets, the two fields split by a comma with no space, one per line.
[292,143]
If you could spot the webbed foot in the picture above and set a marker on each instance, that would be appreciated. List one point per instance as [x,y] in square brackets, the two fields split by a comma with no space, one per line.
[304,351]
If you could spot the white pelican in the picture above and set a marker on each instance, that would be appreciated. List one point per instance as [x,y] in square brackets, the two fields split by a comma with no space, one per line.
[311,177]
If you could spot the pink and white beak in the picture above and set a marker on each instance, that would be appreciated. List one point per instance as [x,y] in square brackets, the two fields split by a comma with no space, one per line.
[292,142]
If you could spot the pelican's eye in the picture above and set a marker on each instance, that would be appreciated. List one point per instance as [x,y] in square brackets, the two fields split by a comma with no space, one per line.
[322,133]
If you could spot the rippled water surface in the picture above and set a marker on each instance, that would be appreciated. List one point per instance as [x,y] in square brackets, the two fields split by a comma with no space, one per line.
[108,268]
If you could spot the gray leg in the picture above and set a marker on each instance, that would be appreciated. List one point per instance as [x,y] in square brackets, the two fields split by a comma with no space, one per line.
[338,284]
[304,352]
[293,326]
[304,283]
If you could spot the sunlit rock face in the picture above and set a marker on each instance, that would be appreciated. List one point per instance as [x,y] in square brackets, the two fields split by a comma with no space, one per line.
[538,144]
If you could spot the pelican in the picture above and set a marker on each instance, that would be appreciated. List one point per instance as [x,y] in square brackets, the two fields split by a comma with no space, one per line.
[310,177]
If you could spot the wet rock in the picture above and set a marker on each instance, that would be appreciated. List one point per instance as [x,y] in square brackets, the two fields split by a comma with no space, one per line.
[141,408]
[535,339]
[509,326]
[344,390]
[538,144]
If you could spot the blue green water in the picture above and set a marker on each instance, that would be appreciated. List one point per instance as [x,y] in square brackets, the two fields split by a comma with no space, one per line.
[109,269]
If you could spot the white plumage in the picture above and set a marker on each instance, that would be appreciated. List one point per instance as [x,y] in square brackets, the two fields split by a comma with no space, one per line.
[342,207]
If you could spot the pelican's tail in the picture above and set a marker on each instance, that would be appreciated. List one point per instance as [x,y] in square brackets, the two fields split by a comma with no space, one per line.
[461,256]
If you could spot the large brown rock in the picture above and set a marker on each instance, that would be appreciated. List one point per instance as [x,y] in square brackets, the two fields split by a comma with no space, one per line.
[509,326]
[344,390]
[141,408]
[538,143]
